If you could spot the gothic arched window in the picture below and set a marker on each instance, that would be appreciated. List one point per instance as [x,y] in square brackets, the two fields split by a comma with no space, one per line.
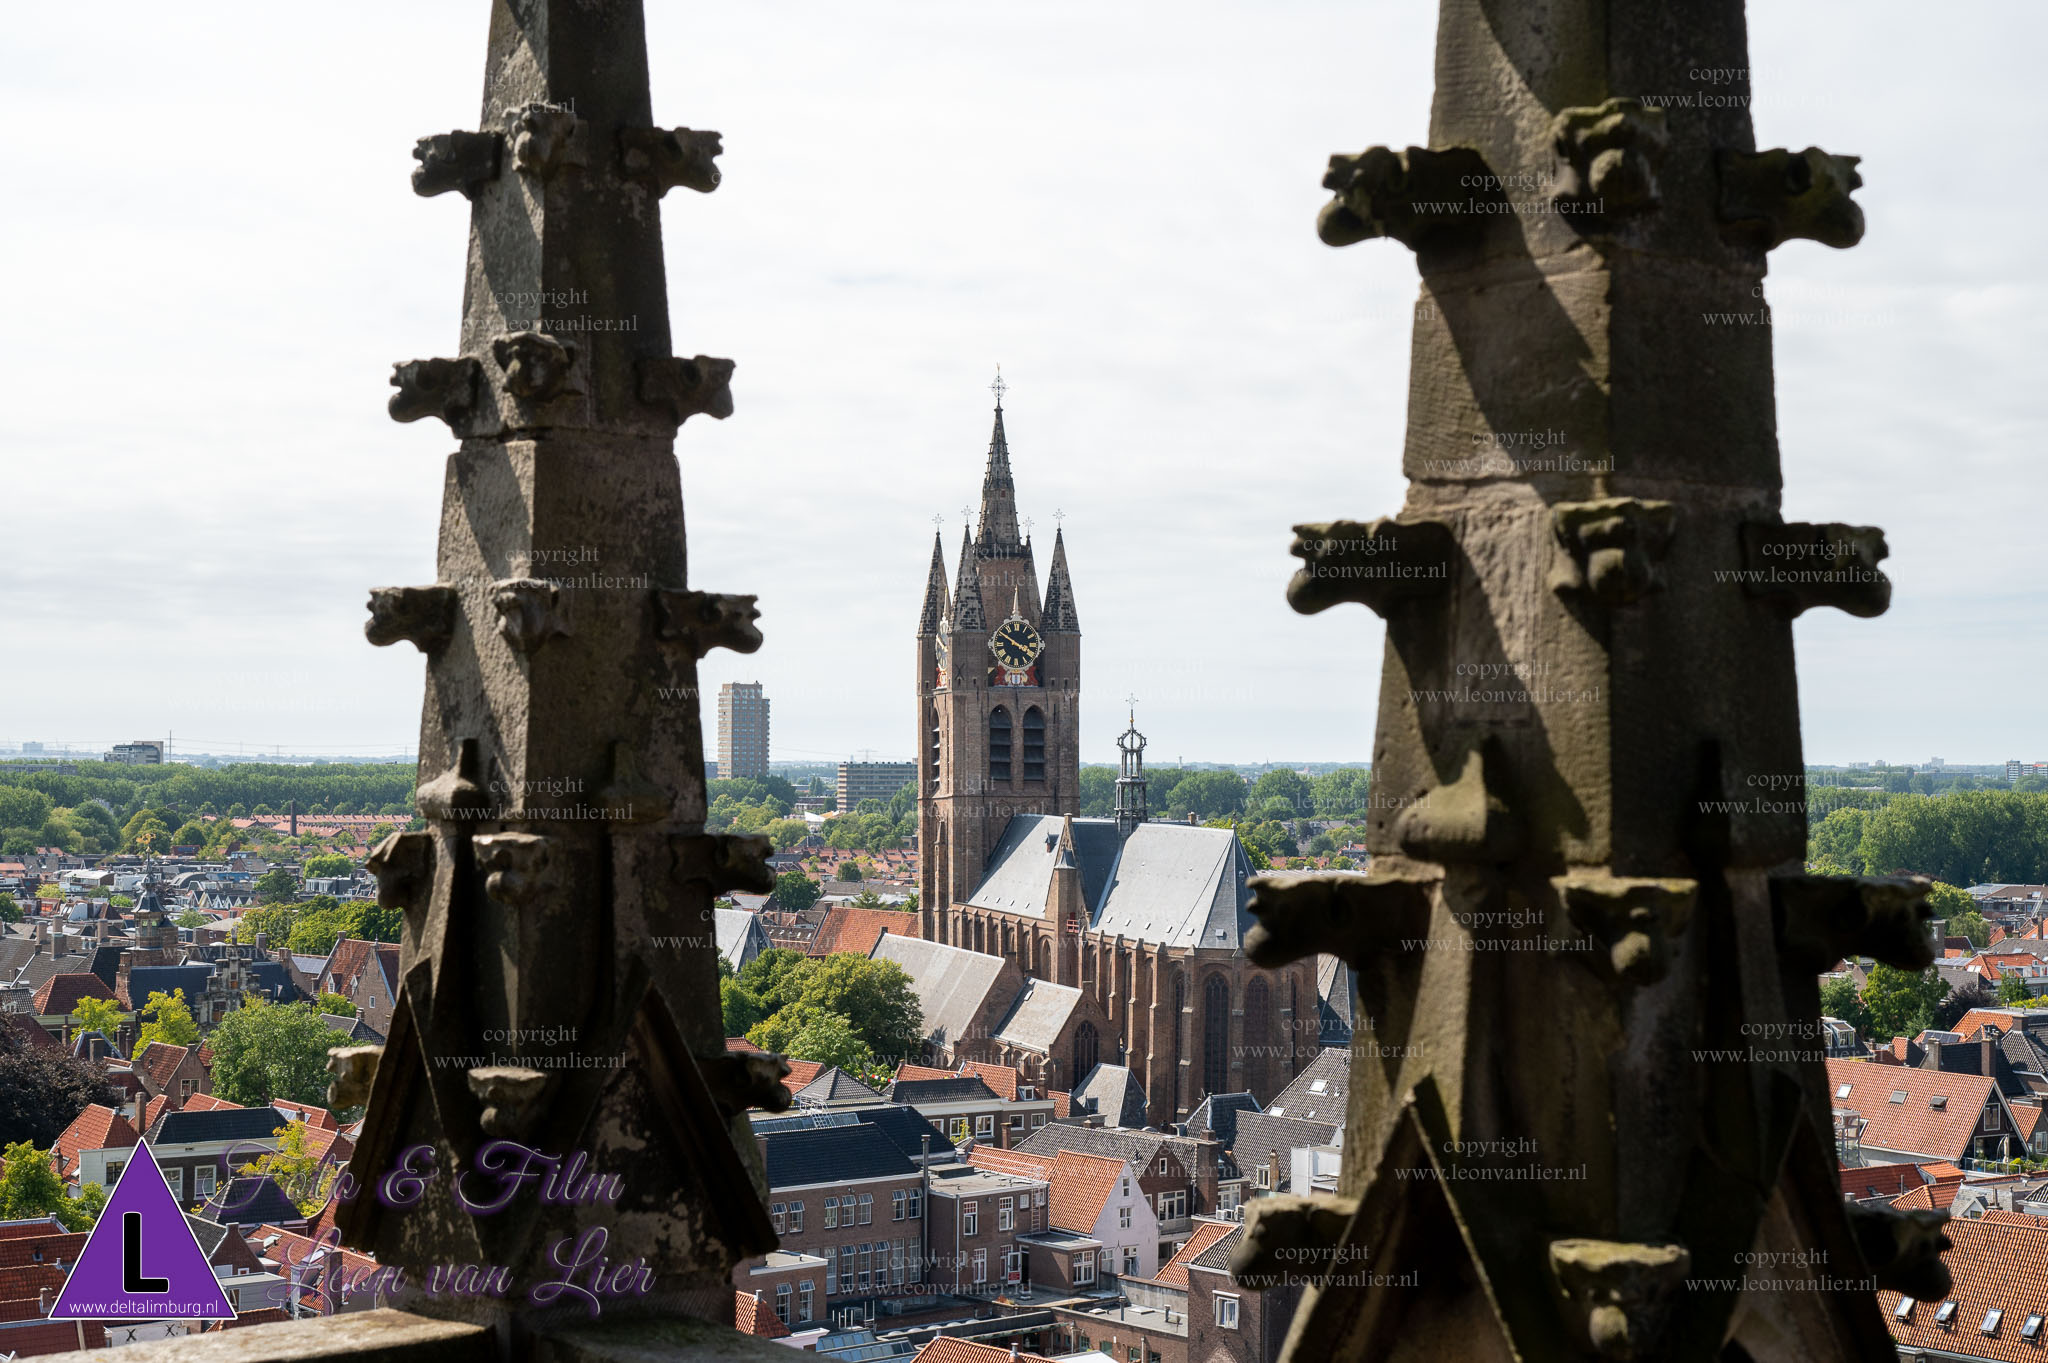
[999,745]
[1086,1048]
[1258,1030]
[1216,1035]
[1034,744]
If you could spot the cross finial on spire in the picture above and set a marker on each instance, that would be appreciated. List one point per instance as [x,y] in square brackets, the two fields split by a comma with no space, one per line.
[999,387]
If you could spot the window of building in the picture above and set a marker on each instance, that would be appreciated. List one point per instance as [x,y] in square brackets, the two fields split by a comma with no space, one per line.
[896,1263]
[1016,1122]
[1127,1188]
[845,1268]
[1006,1214]
[999,745]
[1264,1176]
[1084,1274]
[782,1295]
[203,1180]
[1163,1165]
[867,1208]
[959,1129]
[176,1179]
[1034,744]
[970,1218]
[916,1262]
[1130,1261]
[985,1127]
[1037,1120]
[1173,1205]
[1123,1217]
[778,1216]
[1226,1311]
[803,1300]
[980,1266]
[896,1201]
[796,1220]
[1108,1264]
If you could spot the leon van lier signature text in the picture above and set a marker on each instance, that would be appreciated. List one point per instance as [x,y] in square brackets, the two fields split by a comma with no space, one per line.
[504,1169]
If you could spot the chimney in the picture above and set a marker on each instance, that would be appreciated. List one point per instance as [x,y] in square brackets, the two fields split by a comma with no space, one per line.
[1193,818]
[1016,1349]
[141,1111]
[262,941]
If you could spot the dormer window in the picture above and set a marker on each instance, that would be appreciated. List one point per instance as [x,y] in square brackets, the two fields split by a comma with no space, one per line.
[1939,1102]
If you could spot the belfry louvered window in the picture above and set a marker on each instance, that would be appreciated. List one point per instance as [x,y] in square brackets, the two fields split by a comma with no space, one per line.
[1034,744]
[999,745]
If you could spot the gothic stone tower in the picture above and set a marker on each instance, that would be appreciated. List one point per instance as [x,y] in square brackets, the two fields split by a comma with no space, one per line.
[998,694]
[1580,921]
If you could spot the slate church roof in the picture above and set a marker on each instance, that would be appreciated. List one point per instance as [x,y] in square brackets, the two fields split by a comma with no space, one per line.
[1170,883]
[951,983]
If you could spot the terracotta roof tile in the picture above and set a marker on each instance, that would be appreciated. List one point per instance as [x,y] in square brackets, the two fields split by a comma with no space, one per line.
[1174,1272]
[1937,1117]
[739,1045]
[1002,1078]
[1012,1162]
[60,993]
[1998,1261]
[753,1315]
[906,1070]
[947,1349]
[99,1127]
[159,1061]
[1880,1180]
[62,1247]
[205,1102]
[847,928]
[1081,1187]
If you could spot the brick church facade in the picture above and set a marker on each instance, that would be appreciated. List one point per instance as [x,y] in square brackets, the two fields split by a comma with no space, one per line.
[1145,918]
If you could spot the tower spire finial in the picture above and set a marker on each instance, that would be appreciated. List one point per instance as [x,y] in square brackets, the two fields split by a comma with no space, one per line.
[999,387]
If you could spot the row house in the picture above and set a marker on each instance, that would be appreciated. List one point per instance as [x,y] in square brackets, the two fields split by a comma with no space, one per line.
[1181,1177]
[1888,1113]
[1101,1225]
[850,1198]
[975,1223]
[966,1106]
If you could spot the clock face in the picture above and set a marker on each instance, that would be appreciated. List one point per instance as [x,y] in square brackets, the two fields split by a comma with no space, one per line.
[1016,644]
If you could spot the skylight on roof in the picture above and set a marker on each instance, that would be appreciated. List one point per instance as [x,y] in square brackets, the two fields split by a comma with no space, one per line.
[1319,1086]
[2032,1328]
[1843,1091]
[1898,1095]
[1947,1312]
[1991,1319]
[1904,1309]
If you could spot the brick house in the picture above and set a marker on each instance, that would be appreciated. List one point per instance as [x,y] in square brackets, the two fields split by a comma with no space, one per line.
[1101,1224]
[965,1105]
[850,1196]
[366,974]
[171,1072]
[1994,1310]
[198,1151]
[1179,1176]
[975,1219]
[1226,1323]
[55,1003]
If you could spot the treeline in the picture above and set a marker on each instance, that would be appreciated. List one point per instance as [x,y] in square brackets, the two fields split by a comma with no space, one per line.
[1972,837]
[1278,796]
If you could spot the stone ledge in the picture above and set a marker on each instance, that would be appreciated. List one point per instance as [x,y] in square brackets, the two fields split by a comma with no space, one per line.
[357,1337]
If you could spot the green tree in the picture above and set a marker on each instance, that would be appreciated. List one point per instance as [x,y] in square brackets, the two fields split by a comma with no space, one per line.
[334,1005]
[300,1175]
[192,833]
[274,921]
[1098,792]
[1205,794]
[329,865]
[1838,837]
[30,1187]
[830,1039]
[266,1050]
[104,1016]
[168,1019]
[874,996]
[1290,788]
[1960,1001]
[191,918]
[1901,1002]
[849,872]
[2012,990]
[739,1006]
[1839,999]
[10,912]
[276,886]
[775,977]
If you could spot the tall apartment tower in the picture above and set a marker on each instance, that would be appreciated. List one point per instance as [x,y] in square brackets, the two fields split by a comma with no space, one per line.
[742,730]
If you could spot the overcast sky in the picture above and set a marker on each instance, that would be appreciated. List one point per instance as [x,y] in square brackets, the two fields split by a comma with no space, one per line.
[214,256]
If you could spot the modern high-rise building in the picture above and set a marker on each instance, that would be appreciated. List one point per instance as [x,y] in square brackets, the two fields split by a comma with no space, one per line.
[871,781]
[143,752]
[742,730]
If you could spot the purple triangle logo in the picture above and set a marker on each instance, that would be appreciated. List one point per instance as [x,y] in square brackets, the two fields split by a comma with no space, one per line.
[142,1261]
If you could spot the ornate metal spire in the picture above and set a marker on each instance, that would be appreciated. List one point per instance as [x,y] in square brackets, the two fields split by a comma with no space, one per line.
[998,535]
[1130,776]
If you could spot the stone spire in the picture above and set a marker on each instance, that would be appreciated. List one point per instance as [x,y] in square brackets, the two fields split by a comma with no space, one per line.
[934,591]
[967,612]
[1576,921]
[998,535]
[1059,592]
[564,806]
[1130,779]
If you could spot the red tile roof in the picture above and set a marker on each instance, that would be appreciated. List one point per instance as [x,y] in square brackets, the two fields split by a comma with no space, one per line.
[56,1248]
[306,1112]
[847,928]
[1999,1261]
[1062,1103]
[1937,1116]
[206,1102]
[1015,1162]
[51,1337]
[739,1045]
[906,1070]
[60,993]
[947,1349]
[1174,1272]
[1880,1180]
[1002,1078]
[1081,1187]
[2027,1116]
[159,1061]
[801,1072]
[752,1315]
[25,1028]
[97,1128]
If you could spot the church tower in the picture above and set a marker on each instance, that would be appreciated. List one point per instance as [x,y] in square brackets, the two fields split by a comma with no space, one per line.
[998,693]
